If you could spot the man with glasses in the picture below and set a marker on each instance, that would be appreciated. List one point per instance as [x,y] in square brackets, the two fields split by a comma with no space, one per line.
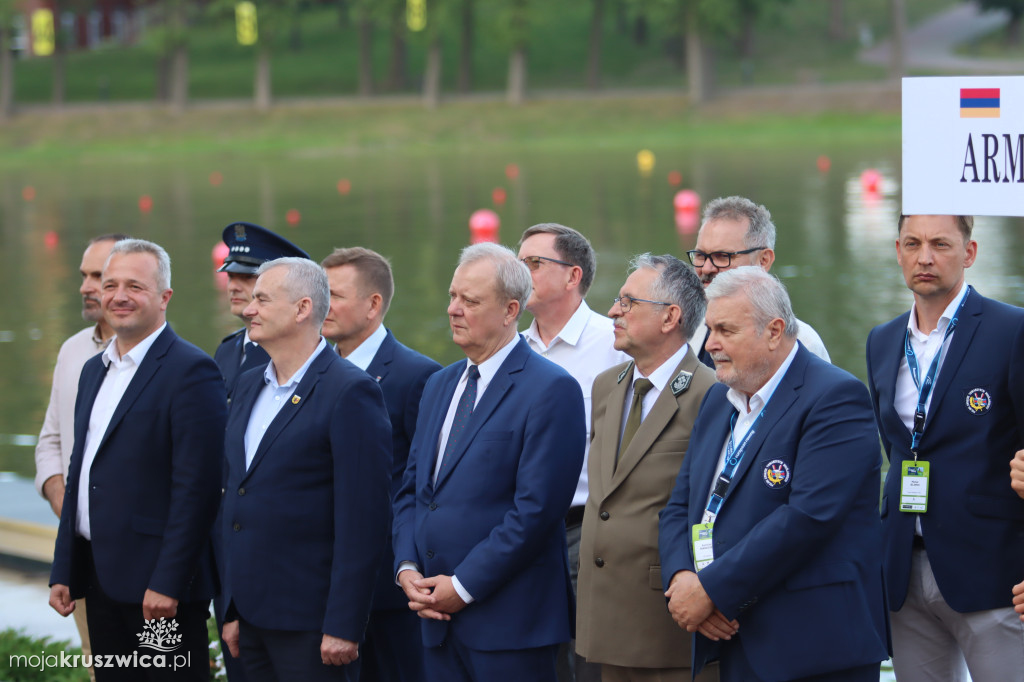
[644,411]
[566,331]
[738,232]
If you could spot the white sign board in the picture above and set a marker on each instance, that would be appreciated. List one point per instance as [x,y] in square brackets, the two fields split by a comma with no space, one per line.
[963,146]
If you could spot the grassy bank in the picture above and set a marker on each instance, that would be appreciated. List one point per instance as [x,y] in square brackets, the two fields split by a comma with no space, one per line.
[327,129]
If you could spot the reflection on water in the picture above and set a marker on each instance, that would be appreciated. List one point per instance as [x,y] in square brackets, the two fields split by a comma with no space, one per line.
[835,248]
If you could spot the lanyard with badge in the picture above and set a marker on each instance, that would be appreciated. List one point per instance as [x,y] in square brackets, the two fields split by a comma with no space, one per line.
[914,479]
[703,550]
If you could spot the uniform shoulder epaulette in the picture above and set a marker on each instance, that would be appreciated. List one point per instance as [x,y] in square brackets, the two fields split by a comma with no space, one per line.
[233,335]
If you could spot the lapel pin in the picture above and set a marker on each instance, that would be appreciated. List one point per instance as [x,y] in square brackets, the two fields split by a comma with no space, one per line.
[623,373]
[681,383]
[295,400]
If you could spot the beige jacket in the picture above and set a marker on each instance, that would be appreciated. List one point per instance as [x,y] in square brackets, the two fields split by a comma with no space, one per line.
[622,618]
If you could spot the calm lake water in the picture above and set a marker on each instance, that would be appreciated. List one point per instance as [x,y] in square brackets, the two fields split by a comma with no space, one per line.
[835,247]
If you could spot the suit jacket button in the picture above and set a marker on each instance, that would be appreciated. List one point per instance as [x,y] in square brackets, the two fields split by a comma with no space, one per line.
[433,506]
[599,562]
[605,516]
[430,554]
[237,526]
[241,491]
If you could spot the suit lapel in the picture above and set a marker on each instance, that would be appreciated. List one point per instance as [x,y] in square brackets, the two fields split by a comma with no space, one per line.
[149,367]
[498,387]
[425,474]
[781,400]
[966,325]
[611,427]
[889,368]
[653,425]
[300,397]
[381,363]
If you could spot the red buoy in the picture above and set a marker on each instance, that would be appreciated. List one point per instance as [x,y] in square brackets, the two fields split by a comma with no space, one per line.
[344,186]
[675,178]
[218,254]
[824,163]
[28,193]
[293,216]
[498,196]
[51,239]
[483,226]
[686,200]
[216,178]
[871,181]
[512,171]
[145,203]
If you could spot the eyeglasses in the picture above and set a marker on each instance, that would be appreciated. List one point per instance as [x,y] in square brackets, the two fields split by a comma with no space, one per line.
[533,262]
[720,259]
[626,302]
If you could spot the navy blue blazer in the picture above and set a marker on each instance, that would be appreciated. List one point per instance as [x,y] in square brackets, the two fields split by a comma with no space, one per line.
[229,358]
[974,526]
[496,516]
[798,560]
[401,373]
[155,480]
[304,527]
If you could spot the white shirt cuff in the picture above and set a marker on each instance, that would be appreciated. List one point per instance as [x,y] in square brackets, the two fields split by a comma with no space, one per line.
[406,566]
[466,596]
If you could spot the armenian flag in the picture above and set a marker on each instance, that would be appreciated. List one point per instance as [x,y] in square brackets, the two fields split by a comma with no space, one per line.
[979,102]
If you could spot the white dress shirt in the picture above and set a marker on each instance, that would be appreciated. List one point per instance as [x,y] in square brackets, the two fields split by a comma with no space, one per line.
[659,379]
[120,371]
[584,348]
[271,399]
[748,412]
[57,437]
[365,352]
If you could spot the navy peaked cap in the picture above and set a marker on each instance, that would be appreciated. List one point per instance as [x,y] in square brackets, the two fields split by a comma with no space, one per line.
[250,246]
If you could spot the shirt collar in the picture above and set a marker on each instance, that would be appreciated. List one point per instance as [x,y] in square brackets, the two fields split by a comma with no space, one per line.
[364,353]
[570,333]
[489,367]
[663,374]
[270,375]
[944,319]
[137,354]
[97,338]
[761,398]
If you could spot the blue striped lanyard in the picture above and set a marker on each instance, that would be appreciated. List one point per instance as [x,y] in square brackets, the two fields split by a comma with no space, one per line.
[733,457]
[925,389]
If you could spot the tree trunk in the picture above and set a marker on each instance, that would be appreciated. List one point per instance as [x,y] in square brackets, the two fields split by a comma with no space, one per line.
[432,75]
[516,92]
[262,84]
[1013,30]
[465,80]
[397,69]
[594,47]
[343,17]
[6,75]
[365,53]
[897,57]
[59,86]
[695,67]
[745,41]
[640,30]
[836,25]
[179,78]
[163,78]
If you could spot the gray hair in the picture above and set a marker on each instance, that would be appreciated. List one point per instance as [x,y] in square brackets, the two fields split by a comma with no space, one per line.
[572,247]
[163,261]
[760,230]
[304,278]
[676,283]
[513,278]
[767,295]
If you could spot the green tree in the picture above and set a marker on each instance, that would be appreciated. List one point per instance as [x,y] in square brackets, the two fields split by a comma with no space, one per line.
[169,37]
[516,19]
[7,14]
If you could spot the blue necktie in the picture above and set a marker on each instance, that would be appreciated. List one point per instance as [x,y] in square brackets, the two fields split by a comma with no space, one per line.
[462,414]
[246,350]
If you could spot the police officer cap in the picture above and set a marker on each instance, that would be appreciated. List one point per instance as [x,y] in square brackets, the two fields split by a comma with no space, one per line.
[249,246]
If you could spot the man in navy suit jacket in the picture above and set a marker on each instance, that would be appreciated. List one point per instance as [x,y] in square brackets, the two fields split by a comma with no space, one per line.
[142,489]
[362,287]
[306,500]
[249,246]
[951,558]
[771,544]
[493,467]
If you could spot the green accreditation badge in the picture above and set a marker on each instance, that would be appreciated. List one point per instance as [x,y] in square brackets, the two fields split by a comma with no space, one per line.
[703,551]
[914,487]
